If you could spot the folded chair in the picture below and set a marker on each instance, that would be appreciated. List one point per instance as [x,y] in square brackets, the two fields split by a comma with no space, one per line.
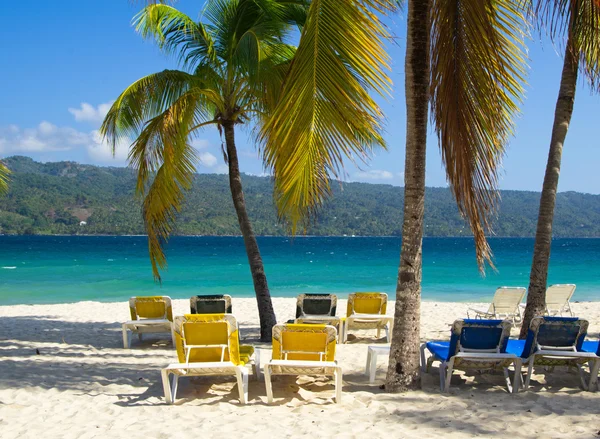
[153,314]
[208,344]
[558,299]
[210,304]
[505,305]
[474,344]
[367,311]
[317,308]
[553,341]
[303,350]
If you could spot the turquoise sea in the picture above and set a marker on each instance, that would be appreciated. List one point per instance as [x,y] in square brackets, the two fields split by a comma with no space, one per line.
[57,269]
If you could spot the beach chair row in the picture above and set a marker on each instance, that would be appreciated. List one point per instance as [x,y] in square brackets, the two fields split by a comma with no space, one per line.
[478,344]
[364,311]
[506,303]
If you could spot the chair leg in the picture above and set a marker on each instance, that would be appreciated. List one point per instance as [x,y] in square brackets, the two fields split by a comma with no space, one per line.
[387,334]
[443,366]
[507,380]
[450,367]
[372,365]
[268,386]
[169,389]
[257,368]
[338,384]
[126,339]
[368,365]
[517,377]
[241,374]
[594,369]
[529,372]
[423,360]
[584,385]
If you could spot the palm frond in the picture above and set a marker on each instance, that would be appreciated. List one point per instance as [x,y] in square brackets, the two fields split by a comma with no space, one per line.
[4,177]
[577,21]
[477,75]
[175,32]
[325,113]
[150,97]
[162,150]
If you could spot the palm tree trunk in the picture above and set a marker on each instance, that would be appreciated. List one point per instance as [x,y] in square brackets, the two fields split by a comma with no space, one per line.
[403,370]
[536,295]
[261,288]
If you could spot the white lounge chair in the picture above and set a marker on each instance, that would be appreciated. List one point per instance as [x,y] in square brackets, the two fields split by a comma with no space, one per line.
[303,350]
[505,305]
[208,344]
[557,299]
[149,315]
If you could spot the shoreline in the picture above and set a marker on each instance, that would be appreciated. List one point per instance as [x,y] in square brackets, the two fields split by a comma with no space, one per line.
[306,236]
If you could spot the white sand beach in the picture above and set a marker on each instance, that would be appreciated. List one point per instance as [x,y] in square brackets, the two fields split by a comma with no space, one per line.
[64,373]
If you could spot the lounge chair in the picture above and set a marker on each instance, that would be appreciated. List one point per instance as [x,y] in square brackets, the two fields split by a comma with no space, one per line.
[557,299]
[208,344]
[505,305]
[318,309]
[149,315]
[474,344]
[303,350]
[210,304]
[553,341]
[367,311]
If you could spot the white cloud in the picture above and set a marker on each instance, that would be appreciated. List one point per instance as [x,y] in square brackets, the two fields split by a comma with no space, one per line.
[46,137]
[89,113]
[222,169]
[100,151]
[207,159]
[374,174]
[200,143]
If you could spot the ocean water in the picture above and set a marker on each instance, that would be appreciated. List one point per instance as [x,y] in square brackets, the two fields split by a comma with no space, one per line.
[58,269]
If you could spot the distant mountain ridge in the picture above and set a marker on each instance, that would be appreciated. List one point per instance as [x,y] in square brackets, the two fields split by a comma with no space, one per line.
[55,198]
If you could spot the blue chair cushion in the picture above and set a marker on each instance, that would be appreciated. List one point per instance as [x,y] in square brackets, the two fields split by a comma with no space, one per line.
[515,347]
[439,349]
[591,346]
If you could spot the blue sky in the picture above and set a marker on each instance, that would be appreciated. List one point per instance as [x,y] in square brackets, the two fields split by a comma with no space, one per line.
[65,61]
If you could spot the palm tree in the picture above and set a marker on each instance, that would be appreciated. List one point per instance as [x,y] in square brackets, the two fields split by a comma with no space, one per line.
[477,68]
[4,172]
[236,68]
[579,22]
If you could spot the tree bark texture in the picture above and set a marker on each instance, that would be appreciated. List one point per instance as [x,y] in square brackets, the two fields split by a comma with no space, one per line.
[403,370]
[261,288]
[536,293]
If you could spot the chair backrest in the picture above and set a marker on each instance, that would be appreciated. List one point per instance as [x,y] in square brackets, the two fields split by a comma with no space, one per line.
[210,304]
[555,333]
[558,295]
[201,338]
[304,342]
[316,304]
[479,335]
[507,299]
[366,303]
[151,307]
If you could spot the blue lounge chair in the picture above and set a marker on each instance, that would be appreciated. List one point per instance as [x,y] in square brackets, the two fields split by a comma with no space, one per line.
[553,341]
[474,344]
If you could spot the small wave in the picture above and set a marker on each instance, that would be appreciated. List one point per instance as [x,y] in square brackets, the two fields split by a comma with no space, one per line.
[9,268]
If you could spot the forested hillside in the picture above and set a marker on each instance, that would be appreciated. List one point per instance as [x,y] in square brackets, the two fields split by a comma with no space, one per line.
[54,198]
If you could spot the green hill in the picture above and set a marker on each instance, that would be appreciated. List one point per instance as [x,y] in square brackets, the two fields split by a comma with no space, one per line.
[53,198]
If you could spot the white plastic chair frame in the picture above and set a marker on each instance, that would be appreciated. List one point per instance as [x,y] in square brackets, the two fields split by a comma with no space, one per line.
[505,305]
[558,299]
[146,326]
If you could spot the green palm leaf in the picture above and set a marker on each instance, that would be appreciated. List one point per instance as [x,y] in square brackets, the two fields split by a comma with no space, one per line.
[325,112]
[4,173]
[477,72]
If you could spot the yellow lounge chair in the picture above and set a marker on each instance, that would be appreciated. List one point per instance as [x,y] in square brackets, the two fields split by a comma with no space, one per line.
[367,311]
[208,344]
[303,350]
[149,315]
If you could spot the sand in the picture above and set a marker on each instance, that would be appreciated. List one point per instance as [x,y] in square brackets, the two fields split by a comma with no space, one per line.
[64,373]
